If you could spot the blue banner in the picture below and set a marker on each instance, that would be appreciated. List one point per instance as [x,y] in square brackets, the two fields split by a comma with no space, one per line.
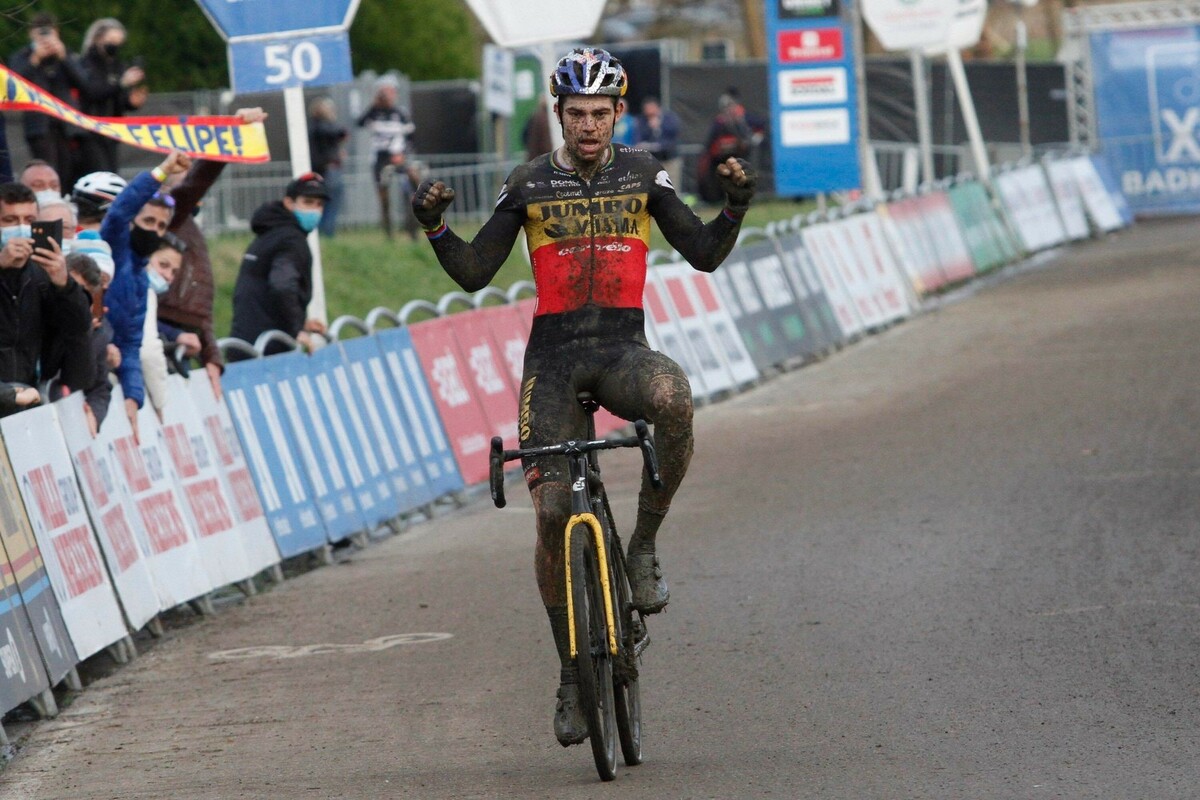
[814,98]
[1147,86]
[282,483]
[433,446]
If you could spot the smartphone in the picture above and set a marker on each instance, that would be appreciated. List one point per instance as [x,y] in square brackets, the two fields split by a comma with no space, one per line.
[44,231]
[97,303]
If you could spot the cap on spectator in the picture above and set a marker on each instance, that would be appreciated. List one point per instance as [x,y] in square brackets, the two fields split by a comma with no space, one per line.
[99,189]
[310,184]
[89,243]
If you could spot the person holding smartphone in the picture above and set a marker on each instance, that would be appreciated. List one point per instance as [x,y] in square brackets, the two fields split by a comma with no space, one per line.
[46,63]
[37,297]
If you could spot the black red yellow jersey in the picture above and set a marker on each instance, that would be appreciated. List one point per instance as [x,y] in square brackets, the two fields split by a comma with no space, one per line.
[588,241]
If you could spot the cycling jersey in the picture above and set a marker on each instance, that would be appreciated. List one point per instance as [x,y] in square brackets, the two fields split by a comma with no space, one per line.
[588,240]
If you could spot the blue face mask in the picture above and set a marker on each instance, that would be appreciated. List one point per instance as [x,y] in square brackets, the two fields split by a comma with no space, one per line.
[158,284]
[308,219]
[15,232]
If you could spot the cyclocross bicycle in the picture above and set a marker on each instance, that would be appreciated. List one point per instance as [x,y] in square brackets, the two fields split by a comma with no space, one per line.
[607,635]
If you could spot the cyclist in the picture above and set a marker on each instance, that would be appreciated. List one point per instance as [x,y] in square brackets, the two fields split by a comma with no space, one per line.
[586,209]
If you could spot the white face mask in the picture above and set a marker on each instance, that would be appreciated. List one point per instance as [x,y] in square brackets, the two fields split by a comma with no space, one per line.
[15,232]
[47,196]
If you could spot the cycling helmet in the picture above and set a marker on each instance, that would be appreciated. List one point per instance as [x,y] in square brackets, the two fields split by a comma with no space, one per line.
[591,71]
[99,189]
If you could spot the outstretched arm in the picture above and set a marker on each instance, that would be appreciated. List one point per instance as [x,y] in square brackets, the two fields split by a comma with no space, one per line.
[705,245]
[472,265]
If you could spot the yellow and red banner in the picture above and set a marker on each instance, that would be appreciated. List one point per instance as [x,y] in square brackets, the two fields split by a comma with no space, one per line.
[213,138]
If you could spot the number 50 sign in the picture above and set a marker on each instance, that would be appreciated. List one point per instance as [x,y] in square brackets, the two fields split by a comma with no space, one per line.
[263,65]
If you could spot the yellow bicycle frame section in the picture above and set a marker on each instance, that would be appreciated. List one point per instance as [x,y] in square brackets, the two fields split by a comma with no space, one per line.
[605,582]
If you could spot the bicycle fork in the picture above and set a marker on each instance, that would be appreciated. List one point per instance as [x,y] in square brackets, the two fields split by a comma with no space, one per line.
[578,500]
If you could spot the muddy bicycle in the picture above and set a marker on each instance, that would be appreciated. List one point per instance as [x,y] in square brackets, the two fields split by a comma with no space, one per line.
[608,635]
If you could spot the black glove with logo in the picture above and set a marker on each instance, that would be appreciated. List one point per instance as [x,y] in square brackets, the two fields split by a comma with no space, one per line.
[737,195]
[430,202]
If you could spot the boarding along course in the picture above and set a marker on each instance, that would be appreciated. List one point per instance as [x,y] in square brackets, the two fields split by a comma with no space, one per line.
[393,418]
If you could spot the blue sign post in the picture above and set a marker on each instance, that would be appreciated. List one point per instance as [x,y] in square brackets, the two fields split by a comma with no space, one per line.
[814,96]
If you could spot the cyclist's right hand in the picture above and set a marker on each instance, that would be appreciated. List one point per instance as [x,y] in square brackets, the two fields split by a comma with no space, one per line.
[430,201]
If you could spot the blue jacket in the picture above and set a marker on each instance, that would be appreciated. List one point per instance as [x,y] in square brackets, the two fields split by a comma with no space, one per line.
[126,296]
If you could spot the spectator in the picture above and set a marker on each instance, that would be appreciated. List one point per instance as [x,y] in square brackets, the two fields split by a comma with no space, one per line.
[39,296]
[326,140]
[45,63]
[66,359]
[390,127]
[536,135]
[6,175]
[658,133]
[728,136]
[133,227]
[110,89]
[93,195]
[185,312]
[43,179]
[163,266]
[98,391]
[274,283]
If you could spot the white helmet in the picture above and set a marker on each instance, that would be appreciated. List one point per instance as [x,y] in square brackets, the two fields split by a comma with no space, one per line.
[99,189]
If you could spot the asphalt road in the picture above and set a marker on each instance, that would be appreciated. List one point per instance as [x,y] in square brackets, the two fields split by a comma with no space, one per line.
[955,561]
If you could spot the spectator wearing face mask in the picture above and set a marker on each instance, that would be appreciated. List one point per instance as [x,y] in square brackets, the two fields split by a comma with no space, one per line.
[133,227]
[66,358]
[274,284]
[36,294]
[43,179]
[46,63]
[163,267]
[110,89]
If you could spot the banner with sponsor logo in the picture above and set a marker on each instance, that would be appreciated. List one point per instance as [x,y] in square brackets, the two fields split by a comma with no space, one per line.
[1030,205]
[985,233]
[670,297]
[286,497]
[21,673]
[55,507]
[814,303]
[112,514]
[814,97]
[1147,93]
[257,543]
[419,410]
[666,335]
[209,137]
[1067,196]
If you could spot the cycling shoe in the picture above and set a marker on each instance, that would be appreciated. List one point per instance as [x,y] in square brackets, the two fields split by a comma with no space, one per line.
[649,590]
[570,726]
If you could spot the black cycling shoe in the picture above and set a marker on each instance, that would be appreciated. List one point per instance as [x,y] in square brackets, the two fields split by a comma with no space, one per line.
[646,584]
[570,727]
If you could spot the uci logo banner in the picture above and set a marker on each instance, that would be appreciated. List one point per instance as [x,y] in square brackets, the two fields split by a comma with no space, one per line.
[211,138]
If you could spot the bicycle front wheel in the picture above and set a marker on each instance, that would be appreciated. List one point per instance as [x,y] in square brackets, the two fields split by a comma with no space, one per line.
[627,693]
[592,657]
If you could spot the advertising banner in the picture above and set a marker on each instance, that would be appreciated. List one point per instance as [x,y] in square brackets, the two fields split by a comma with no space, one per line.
[703,293]
[840,248]
[985,233]
[467,427]
[799,337]
[23,675]
[340,403]
[419,409]
[739,294]
[669,337]
[670,290]
[1102,198]
[872,253]
[914,247]
[257,542]
[1030,205]
[112,514]
[46,480]
[814,97]
[378,400]
[291,512]
[1148,114]
[807,282]
[819,245]
[487,370]
[329,460]
[941,227]
[1061,174]
[33,584]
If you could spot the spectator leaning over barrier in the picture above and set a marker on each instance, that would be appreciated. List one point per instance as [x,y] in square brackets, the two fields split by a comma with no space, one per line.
[98,393]
[185,312]
[44,180]
[274,283]
[110,89]
[133,228]
[46,63]
[36,294]
[163,267]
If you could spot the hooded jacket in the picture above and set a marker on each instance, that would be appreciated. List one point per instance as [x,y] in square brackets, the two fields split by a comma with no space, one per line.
[274,283]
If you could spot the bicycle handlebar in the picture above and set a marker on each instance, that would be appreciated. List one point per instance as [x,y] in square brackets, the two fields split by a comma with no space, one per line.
[499,456]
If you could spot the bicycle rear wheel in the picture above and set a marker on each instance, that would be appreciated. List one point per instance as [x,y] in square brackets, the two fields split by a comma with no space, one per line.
[627,691]
[592,657]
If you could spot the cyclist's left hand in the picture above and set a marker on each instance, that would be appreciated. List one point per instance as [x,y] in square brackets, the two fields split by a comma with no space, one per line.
[738,180]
